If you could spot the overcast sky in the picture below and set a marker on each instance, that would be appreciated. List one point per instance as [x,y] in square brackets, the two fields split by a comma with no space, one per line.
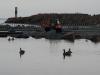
[31,7]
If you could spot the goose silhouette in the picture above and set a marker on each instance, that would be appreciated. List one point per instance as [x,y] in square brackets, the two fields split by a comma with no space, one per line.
[9,39]
[13,38]
[68,53]
[21,52]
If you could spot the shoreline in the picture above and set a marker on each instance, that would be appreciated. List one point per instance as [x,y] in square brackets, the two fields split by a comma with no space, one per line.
[54,26]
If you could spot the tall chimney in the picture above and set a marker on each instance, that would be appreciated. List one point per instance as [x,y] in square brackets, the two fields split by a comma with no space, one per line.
[16,12]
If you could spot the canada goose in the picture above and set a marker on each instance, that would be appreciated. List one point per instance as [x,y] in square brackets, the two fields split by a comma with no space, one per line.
[68,53]
[21,52]
[13,38]
[9,39]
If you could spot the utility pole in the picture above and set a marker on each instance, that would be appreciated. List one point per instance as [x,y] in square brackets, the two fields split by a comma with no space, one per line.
[16,12]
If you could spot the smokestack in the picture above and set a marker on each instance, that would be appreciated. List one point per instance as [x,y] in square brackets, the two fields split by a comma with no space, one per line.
[16,12]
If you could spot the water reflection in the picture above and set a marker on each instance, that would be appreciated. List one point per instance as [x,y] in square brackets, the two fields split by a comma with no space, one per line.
[46,57]
[64,56]
[54,45]
[21,52]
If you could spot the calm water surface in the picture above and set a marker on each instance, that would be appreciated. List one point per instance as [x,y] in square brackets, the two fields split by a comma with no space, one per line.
[45,57]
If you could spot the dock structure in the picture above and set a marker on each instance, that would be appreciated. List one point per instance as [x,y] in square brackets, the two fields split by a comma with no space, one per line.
[21,27]
[65,28]
[11,29]
[68,30]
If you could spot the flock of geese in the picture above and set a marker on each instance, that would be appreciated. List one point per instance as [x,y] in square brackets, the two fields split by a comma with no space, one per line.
[21,52]
[68,53]
[11,38]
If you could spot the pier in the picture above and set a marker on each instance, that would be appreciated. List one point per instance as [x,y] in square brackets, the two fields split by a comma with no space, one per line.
[37,31]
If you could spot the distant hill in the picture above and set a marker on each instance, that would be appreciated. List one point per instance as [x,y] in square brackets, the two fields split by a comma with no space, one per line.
[50,18]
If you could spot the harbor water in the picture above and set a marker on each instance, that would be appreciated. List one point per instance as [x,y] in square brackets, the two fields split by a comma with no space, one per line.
[45,57]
